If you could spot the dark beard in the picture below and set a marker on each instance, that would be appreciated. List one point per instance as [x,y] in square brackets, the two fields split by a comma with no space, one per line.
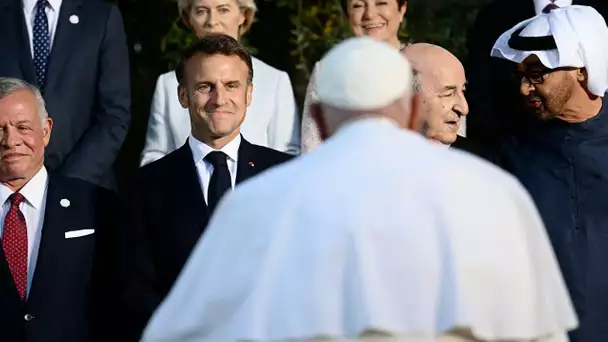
[539,111]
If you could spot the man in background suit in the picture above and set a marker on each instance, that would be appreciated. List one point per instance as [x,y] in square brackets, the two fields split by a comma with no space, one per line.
[171,200]
[75,51]
[55,270]
[493,91]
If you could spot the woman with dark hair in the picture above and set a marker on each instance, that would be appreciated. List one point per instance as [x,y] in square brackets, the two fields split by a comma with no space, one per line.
[380,19]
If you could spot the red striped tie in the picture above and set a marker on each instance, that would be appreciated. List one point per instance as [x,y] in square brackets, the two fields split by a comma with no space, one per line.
[14,243]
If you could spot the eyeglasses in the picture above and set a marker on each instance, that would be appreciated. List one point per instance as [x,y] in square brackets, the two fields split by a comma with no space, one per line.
[538,77]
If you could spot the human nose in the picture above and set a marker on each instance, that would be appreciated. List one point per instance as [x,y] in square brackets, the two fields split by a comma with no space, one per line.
[525,86]
[462,106]
[370,11]
[212,18]
[10,138]
[219,97]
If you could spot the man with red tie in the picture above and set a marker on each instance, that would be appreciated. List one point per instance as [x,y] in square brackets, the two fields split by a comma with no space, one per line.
[55,274]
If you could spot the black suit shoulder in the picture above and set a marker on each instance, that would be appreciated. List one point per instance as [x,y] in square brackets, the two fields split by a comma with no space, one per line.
[272,157]
[475,148]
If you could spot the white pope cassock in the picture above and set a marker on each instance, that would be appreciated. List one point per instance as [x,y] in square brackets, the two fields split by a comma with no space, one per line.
[390,233]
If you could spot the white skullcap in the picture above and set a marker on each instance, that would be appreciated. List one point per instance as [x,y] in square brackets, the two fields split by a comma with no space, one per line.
[361,74]
[572,36]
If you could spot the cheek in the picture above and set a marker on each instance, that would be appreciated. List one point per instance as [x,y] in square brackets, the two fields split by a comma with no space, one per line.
[354,17]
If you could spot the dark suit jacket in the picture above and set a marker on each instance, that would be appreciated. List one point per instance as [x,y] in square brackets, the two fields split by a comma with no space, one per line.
[168,214]
[492,92]
[477,149]
[72,290]
[87,85]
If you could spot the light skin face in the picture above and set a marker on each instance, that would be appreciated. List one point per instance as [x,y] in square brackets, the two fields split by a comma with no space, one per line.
[443,83]
[217,94]
[23,138]
[215,16]
[555,96]
[380,19]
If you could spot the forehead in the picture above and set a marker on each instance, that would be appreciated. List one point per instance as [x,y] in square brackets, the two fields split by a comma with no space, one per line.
[213,3]
[531,62]
[446,74]
[20,105]
[203,67]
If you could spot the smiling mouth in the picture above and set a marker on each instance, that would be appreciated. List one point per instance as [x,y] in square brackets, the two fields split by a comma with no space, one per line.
[373,27]
[12,156]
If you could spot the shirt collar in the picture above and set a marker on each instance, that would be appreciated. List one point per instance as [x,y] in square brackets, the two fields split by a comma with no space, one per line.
[539,5]
[30,5]
[200,150]
[33,191]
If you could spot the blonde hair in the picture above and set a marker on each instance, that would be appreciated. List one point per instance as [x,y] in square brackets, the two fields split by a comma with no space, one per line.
[247,6]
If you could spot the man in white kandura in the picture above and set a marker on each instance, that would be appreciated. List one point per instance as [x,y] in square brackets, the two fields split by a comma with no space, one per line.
[374,242]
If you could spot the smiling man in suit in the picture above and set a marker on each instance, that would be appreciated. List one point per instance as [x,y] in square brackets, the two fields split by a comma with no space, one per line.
[168,217]
[55,275]
[75,52]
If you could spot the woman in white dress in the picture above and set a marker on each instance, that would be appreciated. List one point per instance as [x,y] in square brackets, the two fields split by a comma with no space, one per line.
[272,118]
[379,19]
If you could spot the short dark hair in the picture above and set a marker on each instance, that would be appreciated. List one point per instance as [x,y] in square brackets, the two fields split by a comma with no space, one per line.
[213,44]
[344,3]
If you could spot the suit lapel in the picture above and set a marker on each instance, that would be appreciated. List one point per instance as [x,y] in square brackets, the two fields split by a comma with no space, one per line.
[64,40]
[56,222]
[7,284]
[12,20]
[246,165]
[189,189]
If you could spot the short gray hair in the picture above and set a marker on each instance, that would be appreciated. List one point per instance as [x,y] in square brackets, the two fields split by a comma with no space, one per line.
[9,86]
[416,81]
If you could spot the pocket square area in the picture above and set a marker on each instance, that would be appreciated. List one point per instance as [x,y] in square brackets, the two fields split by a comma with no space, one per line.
[78,233]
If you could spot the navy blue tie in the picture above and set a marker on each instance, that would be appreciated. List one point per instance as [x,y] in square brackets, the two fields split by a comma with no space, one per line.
[42,42]
[220,181]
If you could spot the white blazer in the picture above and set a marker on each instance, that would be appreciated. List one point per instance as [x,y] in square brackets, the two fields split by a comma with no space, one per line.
[272,118]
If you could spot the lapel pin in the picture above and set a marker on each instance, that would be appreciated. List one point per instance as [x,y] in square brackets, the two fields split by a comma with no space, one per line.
[251,164]
[65,202]
[74,19]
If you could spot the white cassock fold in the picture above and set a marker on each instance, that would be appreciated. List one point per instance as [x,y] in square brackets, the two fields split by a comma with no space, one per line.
[371,235]
[580,34]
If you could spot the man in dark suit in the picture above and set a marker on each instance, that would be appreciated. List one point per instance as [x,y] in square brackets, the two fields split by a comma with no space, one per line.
[75,51]
[493,91]
[172,199]
[56,280]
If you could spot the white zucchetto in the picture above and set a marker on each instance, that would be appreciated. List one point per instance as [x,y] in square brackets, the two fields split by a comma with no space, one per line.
[362,73]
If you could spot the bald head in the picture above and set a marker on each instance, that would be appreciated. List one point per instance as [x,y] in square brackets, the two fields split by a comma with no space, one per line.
[440,81]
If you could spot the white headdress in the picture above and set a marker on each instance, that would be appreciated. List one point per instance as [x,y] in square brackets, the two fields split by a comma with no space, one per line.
[572,36]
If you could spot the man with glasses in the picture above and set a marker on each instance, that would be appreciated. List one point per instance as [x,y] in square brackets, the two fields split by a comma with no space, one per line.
[560,154]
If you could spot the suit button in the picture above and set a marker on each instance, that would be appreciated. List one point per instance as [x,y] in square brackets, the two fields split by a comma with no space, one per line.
[28,317]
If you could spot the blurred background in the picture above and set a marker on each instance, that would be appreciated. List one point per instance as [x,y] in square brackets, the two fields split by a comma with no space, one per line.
[290,35]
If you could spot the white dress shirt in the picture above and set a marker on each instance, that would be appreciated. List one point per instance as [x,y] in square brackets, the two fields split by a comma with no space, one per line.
[539,5]
[52,14]
[204,169]
[396,249]
[33,208]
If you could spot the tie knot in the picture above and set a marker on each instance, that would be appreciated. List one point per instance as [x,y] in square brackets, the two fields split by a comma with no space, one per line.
[550,7]
[16,199]
[216,158]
